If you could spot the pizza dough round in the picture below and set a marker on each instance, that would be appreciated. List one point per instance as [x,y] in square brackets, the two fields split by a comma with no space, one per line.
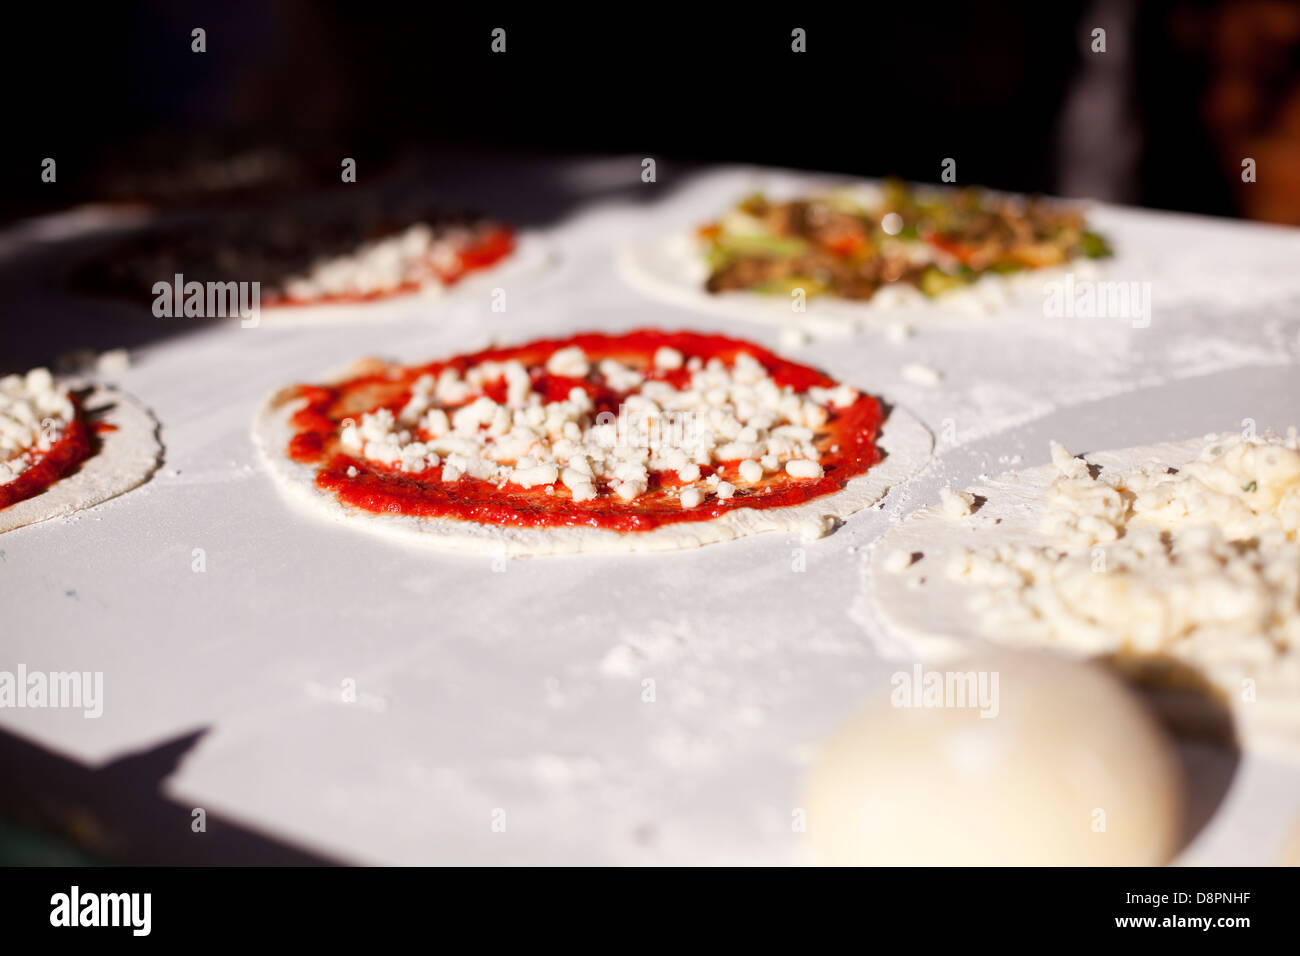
[127,456]
[927,613]
[1069,769]
[906,443]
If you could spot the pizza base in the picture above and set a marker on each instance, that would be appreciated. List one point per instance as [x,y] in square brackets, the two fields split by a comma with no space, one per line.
[532,255]
[906,442]
[925,613]
[126,458]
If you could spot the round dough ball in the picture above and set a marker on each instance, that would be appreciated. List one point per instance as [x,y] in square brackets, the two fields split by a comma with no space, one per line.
[1068,768]
[1289,854]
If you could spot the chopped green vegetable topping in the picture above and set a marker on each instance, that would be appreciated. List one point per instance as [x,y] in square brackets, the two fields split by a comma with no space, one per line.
[934,282]
[937,241]
[1094,246]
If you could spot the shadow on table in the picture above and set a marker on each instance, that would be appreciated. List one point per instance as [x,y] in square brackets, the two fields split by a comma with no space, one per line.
[118,814]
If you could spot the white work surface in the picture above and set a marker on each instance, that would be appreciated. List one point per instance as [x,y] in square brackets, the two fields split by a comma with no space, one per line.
[521,689]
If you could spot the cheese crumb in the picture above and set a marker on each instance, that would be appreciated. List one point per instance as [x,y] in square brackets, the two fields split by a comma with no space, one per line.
[898,561]
[802,468]
[818,527]
[956,504]
[1066,463]
[629,490]
[668,359]
[536,475]
[569,362]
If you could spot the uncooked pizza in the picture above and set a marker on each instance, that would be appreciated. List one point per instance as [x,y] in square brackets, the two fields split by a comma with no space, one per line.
[647,440]
[64,448]
[850,245]
[830,260]
[307,257]
[1179,563]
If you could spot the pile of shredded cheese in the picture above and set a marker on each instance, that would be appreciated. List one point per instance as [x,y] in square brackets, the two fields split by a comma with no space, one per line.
[725,414]
[1201,563]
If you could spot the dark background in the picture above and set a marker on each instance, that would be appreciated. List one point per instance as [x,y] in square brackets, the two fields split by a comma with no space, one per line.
[1010,90]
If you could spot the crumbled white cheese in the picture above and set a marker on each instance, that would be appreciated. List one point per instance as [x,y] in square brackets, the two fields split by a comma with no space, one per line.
[570,362]
[723,415]
[1201,563]
[956,504]
[691,497]
[668,359]
[803,468]
[818,526]
[841,396]
[536,475]
[1066,463]
[629,490]
[620,377]
[898,561]
[34,414]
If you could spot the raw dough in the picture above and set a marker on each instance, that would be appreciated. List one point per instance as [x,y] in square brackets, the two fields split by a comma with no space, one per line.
[905,440]
[127,456]
[1070,770]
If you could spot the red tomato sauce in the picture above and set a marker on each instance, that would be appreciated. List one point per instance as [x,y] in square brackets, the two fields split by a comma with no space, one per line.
[846,442]
[72,448]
